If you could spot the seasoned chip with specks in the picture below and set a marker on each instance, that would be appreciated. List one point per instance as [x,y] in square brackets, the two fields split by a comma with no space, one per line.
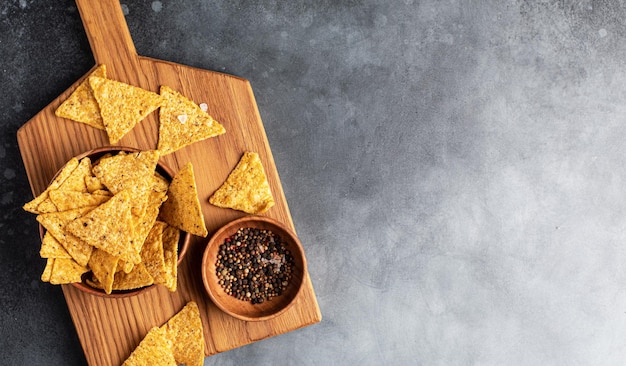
[66,271]
[56,224]
[122,106]
[47,271]
[246,188]
[182,122]
[182,208]
[69,200]
[52,248]
[171,235]
[137,278]
[65,172]
[184,329]
[103,266]
[81,106]
[109,227]
[152,252]
[154,349]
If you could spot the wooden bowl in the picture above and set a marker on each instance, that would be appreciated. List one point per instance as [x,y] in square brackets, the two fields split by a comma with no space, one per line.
[243,309]
[183,242]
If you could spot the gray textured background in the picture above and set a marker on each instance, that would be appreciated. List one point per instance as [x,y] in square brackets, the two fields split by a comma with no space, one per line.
[455,170]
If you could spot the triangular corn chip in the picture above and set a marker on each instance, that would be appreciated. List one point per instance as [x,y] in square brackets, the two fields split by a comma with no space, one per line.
[103,265]
[66,271]
[154,349]
[56,224]
[47,271]
[184,329]
[182,208]
[65,172]
[81,105]
[138,277]
[109,227]
[182,122]
[122,106]
[52,248]
[68,200]
[152,253]
[170,239]
[246,188]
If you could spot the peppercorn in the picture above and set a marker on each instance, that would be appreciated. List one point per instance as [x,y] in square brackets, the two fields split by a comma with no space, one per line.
[254,265]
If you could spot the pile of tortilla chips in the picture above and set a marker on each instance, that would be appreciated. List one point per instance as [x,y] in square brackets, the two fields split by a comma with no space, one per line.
[117,107]
[179,341]
[107,217]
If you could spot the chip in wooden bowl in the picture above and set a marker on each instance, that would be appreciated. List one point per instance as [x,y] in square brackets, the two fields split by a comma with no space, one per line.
[94,225]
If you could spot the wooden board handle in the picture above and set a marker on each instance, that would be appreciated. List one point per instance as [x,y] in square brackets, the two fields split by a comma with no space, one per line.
[108,33]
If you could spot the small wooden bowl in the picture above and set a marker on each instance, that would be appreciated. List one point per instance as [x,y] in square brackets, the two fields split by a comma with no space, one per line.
[242,309]
[183,243]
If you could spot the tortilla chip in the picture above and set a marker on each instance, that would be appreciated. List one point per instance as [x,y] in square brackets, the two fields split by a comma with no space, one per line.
[103,266]
[182,208]
[68,200]
[76,180]
[154,349]
[94,184]
[137,278]
[246,188]
[132,171]
[56,224]
[47,271]
[152,253]
[109,227]
[52,248]
[122,106]
[182,122]
[184,330]
[81,105]
[66,271]
[170,239]
[67,169]
[47,206]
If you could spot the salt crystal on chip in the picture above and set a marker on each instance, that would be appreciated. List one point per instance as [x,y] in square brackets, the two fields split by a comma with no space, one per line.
[204,107]
[182,118]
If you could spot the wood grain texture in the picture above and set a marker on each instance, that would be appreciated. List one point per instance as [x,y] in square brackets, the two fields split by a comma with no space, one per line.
[109,329]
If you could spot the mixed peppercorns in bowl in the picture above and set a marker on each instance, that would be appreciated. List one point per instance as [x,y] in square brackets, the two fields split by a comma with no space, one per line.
[253,268]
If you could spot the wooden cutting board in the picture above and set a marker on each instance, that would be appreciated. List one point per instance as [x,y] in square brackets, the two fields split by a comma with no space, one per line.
[109,329]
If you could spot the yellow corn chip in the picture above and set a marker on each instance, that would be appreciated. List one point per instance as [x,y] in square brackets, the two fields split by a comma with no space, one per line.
[122,106]
[66,271]
[76,180]
[81,105]
[68,200]
[94,184]
[47,205]
[103,266]
[246,188]
[182,122]
[47,271]
[56,223]
[184,330]
[154,349]
[171,236]
[152,252]
[109,227]
[137,278]
[51,248]
[182,208]
[67,169]
[133,172]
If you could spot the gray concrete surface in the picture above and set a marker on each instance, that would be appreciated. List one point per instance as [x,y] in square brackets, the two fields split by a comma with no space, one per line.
[456,170]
